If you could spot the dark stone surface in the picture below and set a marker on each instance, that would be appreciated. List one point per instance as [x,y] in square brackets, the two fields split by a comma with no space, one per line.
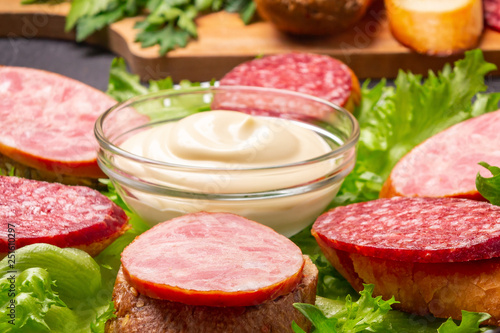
[85,63]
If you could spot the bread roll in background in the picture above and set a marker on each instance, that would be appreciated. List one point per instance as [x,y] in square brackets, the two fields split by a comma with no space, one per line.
[435,27]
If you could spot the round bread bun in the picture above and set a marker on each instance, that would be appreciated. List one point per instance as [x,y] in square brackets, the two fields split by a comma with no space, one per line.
[139,313]
[312,17]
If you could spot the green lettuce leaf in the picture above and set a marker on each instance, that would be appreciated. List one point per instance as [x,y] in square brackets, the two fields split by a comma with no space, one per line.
[56,290]
[489,187]
[123,85]
[27,304]
[394,119]
[372,314]
[352,316]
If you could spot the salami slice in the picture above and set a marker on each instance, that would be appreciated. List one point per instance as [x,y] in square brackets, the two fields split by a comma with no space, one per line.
[213,259]
[427,230]
[47,121]
[61,215]
[313,74]
[492,13]
[446,164]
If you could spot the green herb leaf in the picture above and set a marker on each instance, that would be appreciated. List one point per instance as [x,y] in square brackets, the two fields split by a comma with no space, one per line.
[85,8]
[489,187]
[87,25]
[169,24]
[246,9]
[168,37]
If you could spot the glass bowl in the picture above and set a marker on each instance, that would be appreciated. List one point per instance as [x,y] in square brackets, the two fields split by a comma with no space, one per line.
[286,197]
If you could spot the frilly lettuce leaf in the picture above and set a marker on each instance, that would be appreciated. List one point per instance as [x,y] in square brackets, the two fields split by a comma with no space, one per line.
[56,290]
[372,314]
[352,316]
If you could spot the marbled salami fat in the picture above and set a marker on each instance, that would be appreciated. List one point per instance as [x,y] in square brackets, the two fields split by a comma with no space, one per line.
[492,13]
[446,164]
[61,215]
[47,121]
[429,230]
[213,259]
[313,74]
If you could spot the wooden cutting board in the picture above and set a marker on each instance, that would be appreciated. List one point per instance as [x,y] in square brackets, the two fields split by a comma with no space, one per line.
[224,41]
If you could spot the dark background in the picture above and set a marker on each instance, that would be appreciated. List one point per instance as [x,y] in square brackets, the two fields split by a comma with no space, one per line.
[83,62]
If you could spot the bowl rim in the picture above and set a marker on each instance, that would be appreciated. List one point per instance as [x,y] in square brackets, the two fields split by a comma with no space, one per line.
[104,143]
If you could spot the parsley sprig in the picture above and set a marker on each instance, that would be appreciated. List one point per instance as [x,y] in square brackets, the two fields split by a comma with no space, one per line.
[168,23]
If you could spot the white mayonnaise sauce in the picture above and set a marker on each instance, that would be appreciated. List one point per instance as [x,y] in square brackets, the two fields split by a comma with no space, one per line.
[234,148]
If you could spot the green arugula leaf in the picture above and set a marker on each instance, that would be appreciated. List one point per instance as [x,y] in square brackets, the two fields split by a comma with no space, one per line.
[489,187]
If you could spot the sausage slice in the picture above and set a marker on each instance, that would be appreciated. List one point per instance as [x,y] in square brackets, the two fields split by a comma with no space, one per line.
[212,259]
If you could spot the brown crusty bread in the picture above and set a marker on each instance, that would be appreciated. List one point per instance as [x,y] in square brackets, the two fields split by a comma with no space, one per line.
[440,289]
[98,245]
[139,313]
[312,17]
[25,171]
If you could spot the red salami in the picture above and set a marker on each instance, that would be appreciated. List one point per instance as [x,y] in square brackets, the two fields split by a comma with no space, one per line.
[61,215]
[213,259]
[414,229]
[47,121]
[313,74]
[446,164]
[492,13]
